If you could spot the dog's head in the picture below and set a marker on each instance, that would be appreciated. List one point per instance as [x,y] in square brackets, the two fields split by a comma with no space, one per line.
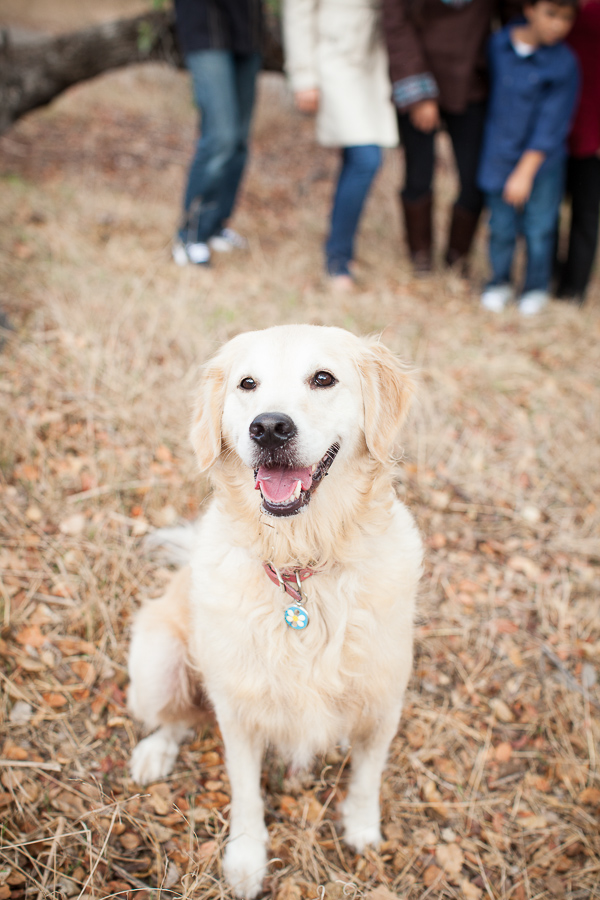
[292,402]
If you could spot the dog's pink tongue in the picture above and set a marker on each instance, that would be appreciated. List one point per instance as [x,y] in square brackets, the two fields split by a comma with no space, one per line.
[278,485]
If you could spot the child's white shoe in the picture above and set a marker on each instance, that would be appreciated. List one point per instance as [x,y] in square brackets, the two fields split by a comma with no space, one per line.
[196,254]
[533,302]
[227,240]
[496,297]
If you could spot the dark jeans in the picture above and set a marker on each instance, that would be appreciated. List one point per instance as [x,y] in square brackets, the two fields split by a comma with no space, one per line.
[359,166]
[466,133]
[536,221]
[583,186]
[224,87]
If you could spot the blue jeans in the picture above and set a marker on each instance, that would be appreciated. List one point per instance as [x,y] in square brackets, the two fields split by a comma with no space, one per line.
[224,87]
[359,166]
[536,221]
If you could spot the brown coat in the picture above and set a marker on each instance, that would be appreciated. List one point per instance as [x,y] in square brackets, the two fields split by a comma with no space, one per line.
[437,51]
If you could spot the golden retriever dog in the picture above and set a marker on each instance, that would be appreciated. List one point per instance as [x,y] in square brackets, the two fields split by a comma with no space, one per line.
[295,614]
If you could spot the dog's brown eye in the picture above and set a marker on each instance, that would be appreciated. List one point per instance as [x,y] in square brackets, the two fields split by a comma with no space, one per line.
[247,384]
[323,380]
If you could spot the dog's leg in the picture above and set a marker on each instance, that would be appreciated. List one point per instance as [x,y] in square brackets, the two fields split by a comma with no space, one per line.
[163,690]
[155,756]
[361,811]
[245,861]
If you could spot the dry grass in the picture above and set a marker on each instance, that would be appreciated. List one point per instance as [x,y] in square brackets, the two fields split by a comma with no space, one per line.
[492,789]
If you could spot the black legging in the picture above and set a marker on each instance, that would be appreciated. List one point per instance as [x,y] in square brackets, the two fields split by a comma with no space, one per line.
[466,133]
[583,186]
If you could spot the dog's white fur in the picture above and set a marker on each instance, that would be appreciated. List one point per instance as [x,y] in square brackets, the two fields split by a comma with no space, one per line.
[221,623]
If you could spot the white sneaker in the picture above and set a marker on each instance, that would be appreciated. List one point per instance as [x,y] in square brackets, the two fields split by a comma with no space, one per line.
[497,297]
[533,302]
[196,254]
[227,240]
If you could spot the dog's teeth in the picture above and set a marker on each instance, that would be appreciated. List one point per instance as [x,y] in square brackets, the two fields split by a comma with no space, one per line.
[314,468]
[298,489]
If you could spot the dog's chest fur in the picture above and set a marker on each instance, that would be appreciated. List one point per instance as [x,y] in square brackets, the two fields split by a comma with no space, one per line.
[303,690]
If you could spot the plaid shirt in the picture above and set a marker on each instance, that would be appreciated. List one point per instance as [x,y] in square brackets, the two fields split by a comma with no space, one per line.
[413,89]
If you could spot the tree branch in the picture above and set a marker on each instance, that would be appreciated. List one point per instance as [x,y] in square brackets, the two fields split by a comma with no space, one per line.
[34,72]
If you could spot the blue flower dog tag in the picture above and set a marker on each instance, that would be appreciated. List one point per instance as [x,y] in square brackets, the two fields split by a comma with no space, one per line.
[296,617]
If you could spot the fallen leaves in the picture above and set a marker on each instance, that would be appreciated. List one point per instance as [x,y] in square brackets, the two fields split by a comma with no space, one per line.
[434,798]
[532,823]
[214,799]
[501,710]
[306,809]
[20,713]
[14,752]
[526,566]
[130,840]
[27,472]
[73,525]
[31,636]
[84,670]
[504,626]
[590,796]
[470,891]
[382,892]
[54,699]
[160,798]
[450,857]
[71,646]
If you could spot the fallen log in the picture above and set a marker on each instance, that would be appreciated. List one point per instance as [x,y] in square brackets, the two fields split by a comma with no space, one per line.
[33,71]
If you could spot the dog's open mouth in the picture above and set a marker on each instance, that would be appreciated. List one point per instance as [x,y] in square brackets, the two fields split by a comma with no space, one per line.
[285,491]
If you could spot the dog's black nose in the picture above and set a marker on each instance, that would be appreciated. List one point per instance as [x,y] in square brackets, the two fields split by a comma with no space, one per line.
[272,430]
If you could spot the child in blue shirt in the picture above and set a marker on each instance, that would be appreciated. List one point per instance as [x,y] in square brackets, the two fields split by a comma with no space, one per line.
[534,80]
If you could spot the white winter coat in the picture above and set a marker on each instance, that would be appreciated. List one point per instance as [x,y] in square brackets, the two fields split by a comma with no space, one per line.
[337,46]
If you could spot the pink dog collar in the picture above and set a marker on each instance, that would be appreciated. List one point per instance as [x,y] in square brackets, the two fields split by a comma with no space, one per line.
[290,582]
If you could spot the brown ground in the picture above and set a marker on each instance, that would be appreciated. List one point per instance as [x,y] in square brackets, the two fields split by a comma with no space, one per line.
[492,789]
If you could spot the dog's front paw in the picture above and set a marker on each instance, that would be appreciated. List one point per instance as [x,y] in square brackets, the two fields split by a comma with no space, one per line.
[245,865]
[153,758]
[358,839]
[361,826]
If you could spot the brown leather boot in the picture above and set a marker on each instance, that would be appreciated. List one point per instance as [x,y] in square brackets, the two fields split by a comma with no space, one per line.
[462,230]
[417,219]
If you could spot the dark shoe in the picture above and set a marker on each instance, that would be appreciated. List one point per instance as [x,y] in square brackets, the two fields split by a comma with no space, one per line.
[336,266]
[570,297]
[463,226]
[417,219]
[569,294]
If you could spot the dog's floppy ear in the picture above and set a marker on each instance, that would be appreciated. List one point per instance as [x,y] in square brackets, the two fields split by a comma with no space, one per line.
[387,392]
[206,424]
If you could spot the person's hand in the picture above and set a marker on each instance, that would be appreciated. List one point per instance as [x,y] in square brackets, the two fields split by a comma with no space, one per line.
[307,101]
[517,188]
[519,184]
[425,115]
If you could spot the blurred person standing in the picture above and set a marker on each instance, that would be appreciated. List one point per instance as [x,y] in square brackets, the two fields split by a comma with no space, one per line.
[439,77]
[583,164]
[534,80]
[337,65]
[221,42]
